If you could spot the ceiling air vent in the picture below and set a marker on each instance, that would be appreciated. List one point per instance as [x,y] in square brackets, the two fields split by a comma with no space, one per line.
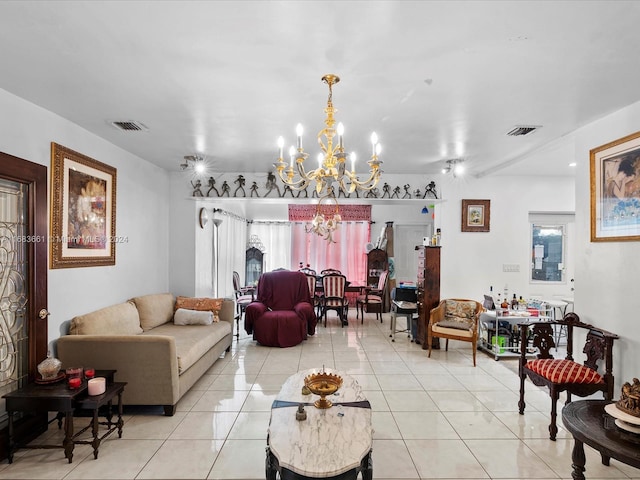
[130,126]
[520,130]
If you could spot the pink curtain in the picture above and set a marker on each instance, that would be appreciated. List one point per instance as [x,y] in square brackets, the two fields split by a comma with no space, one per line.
[347,254]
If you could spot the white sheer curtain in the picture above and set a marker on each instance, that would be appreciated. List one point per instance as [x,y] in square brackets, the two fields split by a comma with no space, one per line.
[276,238]
[232,236]
[347,254]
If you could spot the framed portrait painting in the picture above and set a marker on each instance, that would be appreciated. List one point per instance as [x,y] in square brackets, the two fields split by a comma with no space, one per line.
[83,210]
[476,215]
[615,190]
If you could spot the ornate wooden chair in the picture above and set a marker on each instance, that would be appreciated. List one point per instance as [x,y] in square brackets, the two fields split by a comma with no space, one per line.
[334,297]
[373,298]
[560,375]
[244,296]
[455,319]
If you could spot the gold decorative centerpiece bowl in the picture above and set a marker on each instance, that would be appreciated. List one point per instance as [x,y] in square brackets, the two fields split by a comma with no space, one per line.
[323,384]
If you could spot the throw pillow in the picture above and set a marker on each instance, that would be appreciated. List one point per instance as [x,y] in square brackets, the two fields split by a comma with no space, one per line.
[201,304]
[192,317]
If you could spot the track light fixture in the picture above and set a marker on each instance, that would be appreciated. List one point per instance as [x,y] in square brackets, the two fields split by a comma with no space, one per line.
[194,161]
[454,166]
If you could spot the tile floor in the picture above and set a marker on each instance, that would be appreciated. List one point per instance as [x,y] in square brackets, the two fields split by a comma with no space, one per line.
[433,418]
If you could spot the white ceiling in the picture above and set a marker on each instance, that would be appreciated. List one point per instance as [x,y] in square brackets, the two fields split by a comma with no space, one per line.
[435,80]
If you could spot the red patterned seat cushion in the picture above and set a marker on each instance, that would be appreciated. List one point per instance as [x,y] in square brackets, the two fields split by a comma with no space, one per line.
[564,371]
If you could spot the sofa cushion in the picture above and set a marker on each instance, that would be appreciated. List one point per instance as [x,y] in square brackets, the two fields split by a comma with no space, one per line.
[120,319]
[192,317]
[202,304]
[193,341]
[154,310]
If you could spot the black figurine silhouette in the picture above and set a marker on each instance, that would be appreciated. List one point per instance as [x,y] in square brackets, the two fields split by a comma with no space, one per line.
[287,189]
[271,184]
[407,193]
[386,190]
[430,190]
[396,192]
[212,186]
[254,189]
[196,188]
[240,181]
[225,189]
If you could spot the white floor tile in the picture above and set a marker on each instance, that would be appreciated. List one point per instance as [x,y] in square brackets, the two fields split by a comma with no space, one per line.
[433,418]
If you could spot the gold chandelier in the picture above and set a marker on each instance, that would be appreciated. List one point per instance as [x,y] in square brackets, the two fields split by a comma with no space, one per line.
[323,226]
[331,162]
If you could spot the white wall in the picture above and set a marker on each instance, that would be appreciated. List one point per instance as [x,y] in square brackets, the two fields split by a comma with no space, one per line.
[607,273]
[471,262]
[26,131]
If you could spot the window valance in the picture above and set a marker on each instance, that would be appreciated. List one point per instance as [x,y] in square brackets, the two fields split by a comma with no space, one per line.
[349,213]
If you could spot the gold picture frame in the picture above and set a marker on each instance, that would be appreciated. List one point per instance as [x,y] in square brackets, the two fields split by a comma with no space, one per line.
[476,215]
[615,190]
[83,210]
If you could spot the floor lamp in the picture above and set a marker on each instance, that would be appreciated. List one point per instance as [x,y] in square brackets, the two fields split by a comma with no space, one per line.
[216,251]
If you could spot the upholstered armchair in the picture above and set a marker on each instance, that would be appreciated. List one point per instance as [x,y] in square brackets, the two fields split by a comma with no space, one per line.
[282,314]
[455,319]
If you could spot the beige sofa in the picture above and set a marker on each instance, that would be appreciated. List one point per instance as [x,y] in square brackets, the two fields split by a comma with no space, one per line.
[159,360]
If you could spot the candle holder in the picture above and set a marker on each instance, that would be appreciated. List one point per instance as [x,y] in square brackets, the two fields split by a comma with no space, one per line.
[74,382]
[89,372]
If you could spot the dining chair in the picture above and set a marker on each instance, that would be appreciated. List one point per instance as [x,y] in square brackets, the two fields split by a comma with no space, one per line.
[244,296]
[315,298]
[373,298]
[330,271]
[334,297]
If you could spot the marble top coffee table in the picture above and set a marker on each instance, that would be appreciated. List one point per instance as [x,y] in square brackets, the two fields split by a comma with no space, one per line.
[334,442]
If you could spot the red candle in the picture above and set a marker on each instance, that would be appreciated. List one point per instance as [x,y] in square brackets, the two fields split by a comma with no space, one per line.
[89,373]
[74,382]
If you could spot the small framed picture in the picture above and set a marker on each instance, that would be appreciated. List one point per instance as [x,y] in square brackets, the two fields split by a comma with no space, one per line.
[476,215]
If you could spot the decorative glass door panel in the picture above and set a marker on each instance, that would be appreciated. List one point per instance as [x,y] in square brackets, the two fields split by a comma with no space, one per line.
[23,286]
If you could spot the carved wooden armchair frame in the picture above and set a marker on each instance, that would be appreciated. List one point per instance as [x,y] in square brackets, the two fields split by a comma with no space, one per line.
[560,375]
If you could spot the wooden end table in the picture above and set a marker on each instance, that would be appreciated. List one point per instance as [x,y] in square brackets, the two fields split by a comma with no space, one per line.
[59,398]
[587,421]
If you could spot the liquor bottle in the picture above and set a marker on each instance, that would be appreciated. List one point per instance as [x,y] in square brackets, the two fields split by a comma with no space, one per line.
[505,304]
[514,302]
[522,303]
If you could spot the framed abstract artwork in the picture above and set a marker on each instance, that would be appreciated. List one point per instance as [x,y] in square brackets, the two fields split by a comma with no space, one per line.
[83,210]
[615,190]
[476,215]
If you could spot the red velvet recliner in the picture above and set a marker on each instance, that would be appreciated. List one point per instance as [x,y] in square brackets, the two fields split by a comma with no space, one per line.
[282,314]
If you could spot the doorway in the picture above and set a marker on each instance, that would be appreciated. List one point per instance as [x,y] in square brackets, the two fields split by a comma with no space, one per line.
[23,284]
[405,239]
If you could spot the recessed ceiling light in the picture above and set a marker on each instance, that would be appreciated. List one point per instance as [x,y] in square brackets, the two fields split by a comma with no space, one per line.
[572,164]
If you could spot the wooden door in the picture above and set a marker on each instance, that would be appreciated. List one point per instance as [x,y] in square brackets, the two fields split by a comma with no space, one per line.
[23,283]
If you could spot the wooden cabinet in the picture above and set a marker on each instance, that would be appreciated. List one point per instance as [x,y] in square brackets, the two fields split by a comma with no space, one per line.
[253,266]
[377,262]
[428,289]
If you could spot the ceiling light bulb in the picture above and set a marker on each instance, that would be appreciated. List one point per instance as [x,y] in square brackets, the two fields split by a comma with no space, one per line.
[199,167]
[280,142]
[458,169]
[445,170]
[374,138]
[340,129]
[299,130]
